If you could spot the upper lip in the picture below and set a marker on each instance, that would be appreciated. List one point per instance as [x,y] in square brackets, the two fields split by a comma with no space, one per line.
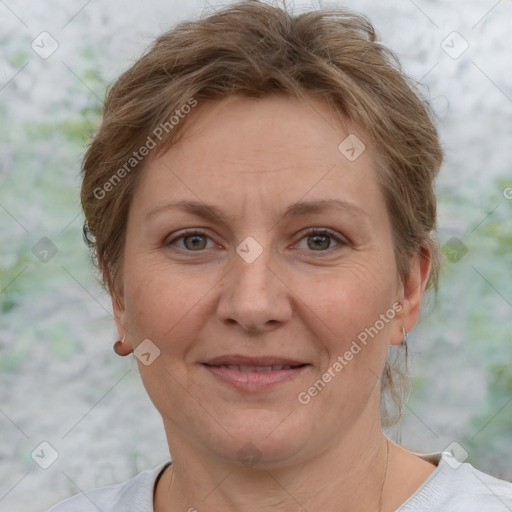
[252,361]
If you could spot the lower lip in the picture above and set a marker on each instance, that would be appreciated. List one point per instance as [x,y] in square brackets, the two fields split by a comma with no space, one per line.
[255,381]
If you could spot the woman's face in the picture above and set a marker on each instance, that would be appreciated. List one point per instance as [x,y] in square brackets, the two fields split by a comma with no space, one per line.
[252,286]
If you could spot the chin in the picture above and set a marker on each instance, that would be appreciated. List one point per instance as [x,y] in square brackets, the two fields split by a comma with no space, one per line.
[263,439]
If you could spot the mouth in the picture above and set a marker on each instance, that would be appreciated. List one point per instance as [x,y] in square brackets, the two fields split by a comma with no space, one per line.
[254,374]
[245,368]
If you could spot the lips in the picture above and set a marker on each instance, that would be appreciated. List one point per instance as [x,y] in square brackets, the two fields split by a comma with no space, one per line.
[254,374]
[246,368]
[253,364]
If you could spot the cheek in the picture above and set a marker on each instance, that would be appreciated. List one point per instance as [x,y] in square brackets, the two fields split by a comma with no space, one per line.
[154,298]
[352,337]
[345,315]
[351,296]
[166,304]
[163,306]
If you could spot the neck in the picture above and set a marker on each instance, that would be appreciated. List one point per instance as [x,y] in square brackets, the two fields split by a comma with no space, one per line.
[346,476]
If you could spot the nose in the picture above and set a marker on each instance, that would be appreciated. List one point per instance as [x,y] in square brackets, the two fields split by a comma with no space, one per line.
[255,295]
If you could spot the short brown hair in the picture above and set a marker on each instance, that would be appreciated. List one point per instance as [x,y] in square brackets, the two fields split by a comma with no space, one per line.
[254,49]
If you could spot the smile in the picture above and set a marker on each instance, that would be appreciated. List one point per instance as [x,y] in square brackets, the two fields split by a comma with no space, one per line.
[245,368]
[251,379]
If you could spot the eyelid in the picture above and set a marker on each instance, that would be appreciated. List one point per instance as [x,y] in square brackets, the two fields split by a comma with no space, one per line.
[340,239]
[187,232]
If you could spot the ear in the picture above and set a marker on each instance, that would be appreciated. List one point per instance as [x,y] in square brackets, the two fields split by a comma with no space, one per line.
[119,315]
[411,294]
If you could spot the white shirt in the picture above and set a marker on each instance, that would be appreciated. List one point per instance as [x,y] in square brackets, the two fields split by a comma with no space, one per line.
[452,487]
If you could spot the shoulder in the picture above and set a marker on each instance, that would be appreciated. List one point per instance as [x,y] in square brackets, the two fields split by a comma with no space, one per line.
[458,487]
[135,495]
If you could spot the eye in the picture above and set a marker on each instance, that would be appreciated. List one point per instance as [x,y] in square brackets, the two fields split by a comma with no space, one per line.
[320,240]
[193,240]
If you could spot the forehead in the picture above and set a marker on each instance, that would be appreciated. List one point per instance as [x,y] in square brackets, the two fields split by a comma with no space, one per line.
[276,123]
[261,151]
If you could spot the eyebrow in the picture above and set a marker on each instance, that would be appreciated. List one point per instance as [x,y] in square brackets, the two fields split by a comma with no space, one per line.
[301,208]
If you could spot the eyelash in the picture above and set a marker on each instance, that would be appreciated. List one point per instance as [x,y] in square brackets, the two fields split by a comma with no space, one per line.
[311,232]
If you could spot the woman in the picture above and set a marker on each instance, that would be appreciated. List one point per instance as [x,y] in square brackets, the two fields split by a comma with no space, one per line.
[260,201]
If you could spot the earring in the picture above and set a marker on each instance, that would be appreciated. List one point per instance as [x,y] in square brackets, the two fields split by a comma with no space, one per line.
[404,336]
[119,350]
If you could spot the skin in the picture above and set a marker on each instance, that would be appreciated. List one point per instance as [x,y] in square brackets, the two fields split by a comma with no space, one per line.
[252,158]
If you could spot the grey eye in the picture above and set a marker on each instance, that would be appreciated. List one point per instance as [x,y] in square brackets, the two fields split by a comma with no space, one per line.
[319,241]
[195,242]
